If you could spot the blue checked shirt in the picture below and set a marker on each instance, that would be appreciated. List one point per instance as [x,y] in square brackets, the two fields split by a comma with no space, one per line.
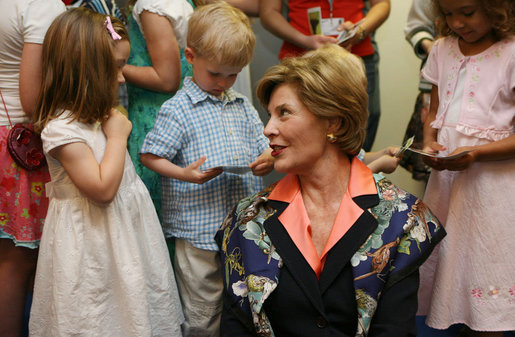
[229,132]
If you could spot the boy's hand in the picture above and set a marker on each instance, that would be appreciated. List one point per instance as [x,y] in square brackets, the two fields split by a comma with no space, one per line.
[386,163]
[116,125]
[391,151]
[193,174]
[263,164]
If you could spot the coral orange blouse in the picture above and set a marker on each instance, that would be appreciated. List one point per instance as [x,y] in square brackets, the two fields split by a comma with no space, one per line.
[296,221]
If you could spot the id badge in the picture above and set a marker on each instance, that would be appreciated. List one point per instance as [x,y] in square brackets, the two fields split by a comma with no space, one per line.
[330,26]
[315,19]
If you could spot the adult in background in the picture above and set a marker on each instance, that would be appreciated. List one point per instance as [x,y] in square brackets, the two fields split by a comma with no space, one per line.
[420,33]
[23,204]
[311,24]
[154,72]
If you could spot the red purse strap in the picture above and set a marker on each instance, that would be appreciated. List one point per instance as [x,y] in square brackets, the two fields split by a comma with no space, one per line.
[9,118]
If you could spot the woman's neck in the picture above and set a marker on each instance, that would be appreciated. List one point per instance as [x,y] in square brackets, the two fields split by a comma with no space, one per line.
[327,184]
[322,193]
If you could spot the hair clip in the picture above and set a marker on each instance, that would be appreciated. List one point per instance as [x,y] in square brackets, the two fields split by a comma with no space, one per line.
[110,29]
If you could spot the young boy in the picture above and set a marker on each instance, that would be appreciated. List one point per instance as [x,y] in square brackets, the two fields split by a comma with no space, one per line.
[204,127]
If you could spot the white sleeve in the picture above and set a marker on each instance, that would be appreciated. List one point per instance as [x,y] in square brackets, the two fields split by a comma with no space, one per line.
[430,71]
[59,132]
[177,11]
[38,16]
[420,26]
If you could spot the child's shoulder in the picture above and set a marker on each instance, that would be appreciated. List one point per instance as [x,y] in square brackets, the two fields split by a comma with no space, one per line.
[65,129]
[66,122]
[445,42]
[509,44]
[63,120]
[180,100]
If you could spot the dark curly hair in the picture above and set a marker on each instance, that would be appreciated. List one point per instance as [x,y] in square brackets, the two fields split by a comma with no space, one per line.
[500,12]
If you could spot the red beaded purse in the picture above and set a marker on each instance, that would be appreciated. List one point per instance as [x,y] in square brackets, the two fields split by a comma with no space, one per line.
[24,145]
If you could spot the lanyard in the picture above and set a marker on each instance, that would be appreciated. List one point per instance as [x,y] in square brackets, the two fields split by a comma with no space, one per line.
[330,8]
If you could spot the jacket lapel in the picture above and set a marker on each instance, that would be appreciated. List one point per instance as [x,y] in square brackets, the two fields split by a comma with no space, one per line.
[343,251]
[300,269]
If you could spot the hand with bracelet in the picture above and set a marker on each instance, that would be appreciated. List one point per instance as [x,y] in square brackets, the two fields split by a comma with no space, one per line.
[377,14]
[358,33]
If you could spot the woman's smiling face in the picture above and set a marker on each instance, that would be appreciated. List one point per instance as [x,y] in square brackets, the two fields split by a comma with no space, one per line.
[297,137]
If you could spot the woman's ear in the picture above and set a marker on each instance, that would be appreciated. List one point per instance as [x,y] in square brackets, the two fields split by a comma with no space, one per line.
[334,125]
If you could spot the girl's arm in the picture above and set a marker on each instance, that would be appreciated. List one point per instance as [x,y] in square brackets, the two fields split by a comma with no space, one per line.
[30,76]
[499,150]
[165,73]
[191,173]
[272,19]
[98,182]
[430,133]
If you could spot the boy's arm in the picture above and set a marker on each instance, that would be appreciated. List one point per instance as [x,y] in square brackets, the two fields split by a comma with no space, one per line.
[190,173]
[388,151]
[383,160]
[263,164]
[385,164]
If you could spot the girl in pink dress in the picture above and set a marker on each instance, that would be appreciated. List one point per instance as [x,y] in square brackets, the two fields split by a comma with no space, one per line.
[472,111]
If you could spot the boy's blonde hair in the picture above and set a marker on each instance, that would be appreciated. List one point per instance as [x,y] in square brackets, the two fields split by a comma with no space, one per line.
[500,12]
[331,83]
[79,72]
[221,33]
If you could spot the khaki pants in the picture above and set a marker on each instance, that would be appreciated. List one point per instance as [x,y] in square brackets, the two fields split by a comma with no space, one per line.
[199,280]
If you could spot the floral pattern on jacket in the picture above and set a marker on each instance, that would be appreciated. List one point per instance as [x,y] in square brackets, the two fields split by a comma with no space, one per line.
[405,235]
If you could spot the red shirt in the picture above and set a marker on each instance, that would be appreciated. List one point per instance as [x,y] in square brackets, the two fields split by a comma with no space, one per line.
[350,10]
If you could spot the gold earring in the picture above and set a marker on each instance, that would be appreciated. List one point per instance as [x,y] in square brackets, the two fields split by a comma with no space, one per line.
[331,138]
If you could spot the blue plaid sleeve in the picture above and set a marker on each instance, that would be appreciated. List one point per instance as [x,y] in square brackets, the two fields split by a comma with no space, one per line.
[168,132]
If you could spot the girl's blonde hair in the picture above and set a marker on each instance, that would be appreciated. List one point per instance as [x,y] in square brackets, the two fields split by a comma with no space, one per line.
[79,72]
[501,13]
[221,33]
[331,83]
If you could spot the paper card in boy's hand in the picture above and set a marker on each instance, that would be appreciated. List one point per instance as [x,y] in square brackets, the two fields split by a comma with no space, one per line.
[232,169]
[236,169]
[439,156]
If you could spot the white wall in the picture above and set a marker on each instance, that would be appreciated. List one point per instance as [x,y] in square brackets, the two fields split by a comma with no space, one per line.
[398,69]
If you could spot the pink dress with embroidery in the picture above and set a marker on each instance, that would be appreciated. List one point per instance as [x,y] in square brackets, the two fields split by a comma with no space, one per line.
[471,278]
